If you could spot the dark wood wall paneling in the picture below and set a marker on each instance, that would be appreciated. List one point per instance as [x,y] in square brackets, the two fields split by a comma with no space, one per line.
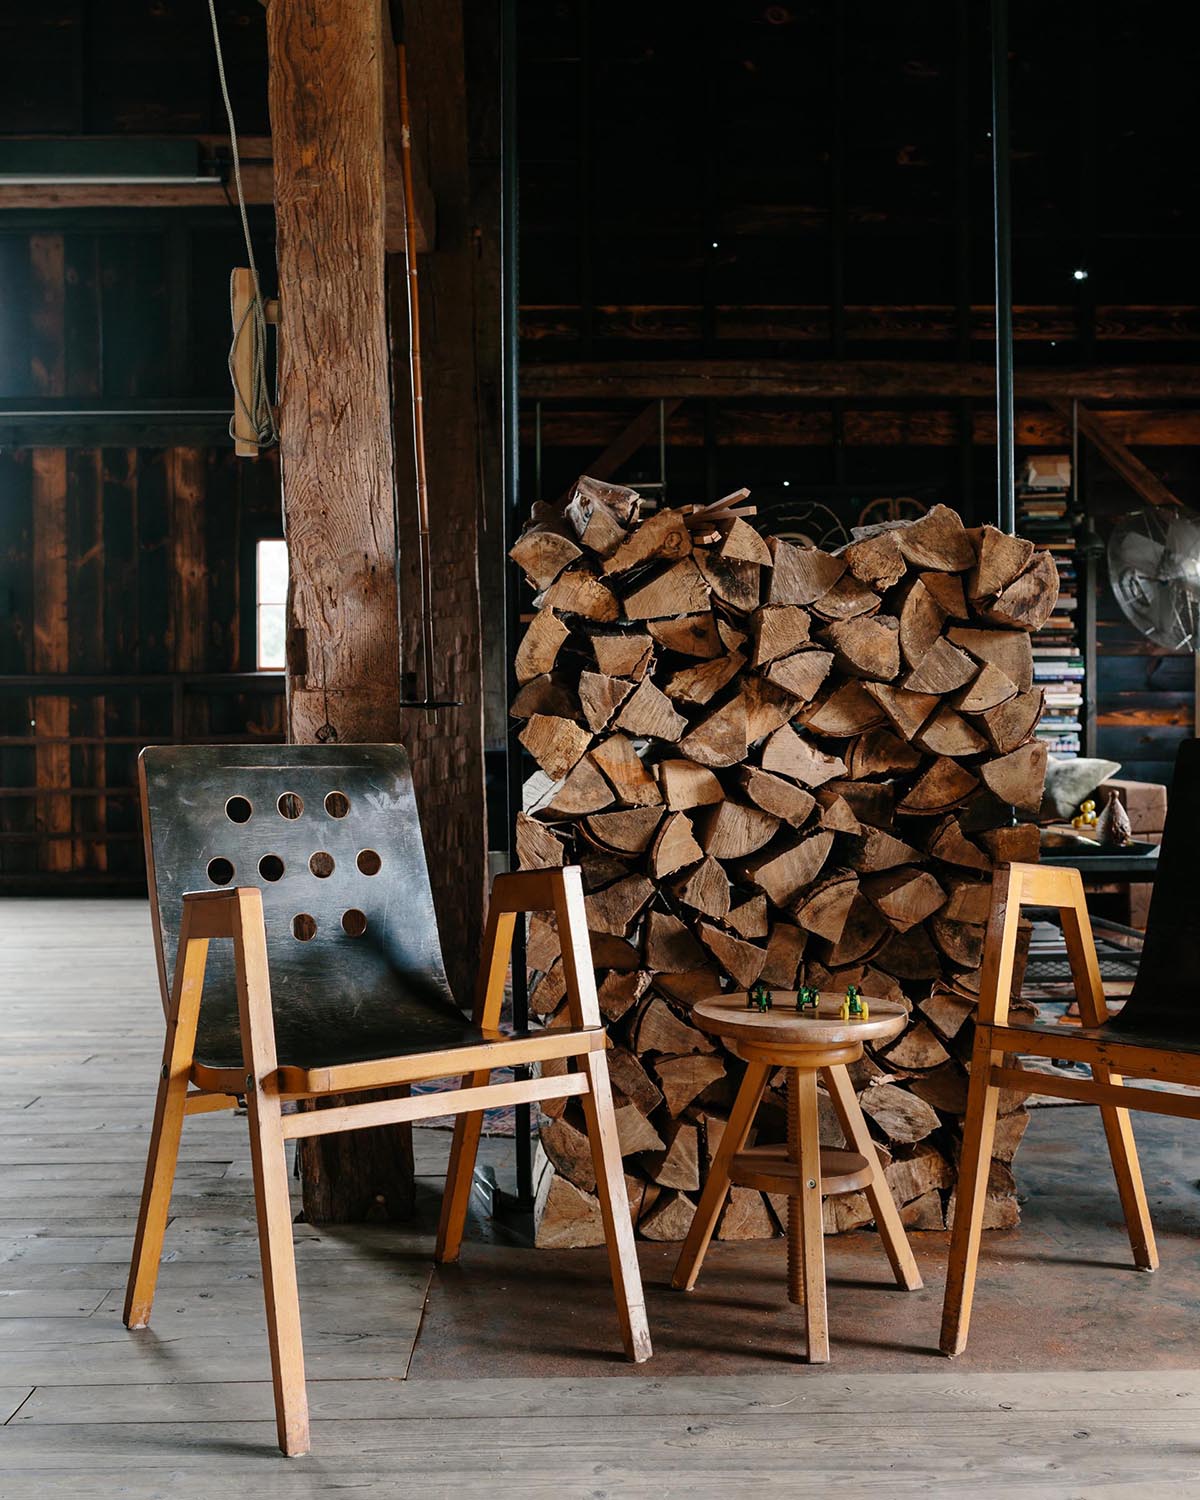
[838,155]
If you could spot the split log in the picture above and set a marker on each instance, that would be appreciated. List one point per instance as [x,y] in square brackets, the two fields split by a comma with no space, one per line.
[538,847]
[632,1081]
[556,744]
[875,849]
[685,784]
[961,942]
[600,514]
[742,543]
[690,635]
[578,592]
[669,1219]
[540,646]
[657,1029]
[847,599]
[864,933]
[648,714]
[921,622]
[681,590]
[745,1217]
[905,896]
[545,548]
[695,686]
[1028,602]
[916,1050]
[600,696]
[785,948]
[768,706]
[942,787]
[679,1165]
[786,754]
[877,560]
[732,830]
[669,946]
[801,575]
[1009,725]
[1019,777]
[623,768]
[943,669]
[776,795]
[749,920]
[990,689]
[705,889]
[948,843]
[900,1115]
[545,694]
[781,877]
[881,753]
[681,1079]
[836,815]
[1009,650]
[623,655]
[847,711]
[619,993]
[867,647]
[801,674]
[635,1132]
[946,590]
[584,791]
[948,733]
[675,847]
[1019,844]
[937,540]
[629,831]
[719,739]
[778,630]
[662,535]
[907,710]
[570,1152]
[824,907]
[614,908]
[734,583]
[742,961]
[1001,558]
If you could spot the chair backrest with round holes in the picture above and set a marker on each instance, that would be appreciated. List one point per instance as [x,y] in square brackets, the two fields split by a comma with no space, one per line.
[330,835]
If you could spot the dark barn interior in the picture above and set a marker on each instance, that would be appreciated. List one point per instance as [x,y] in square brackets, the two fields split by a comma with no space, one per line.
[765,275]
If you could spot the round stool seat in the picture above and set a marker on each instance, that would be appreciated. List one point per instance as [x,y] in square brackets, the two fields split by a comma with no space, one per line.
[791,1029]
[771,1169]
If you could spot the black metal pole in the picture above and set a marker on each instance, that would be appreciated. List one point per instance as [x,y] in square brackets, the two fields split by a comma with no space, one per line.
[509,315]
[1006,498]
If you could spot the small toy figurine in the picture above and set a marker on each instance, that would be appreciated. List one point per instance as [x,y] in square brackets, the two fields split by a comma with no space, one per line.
[1086,817]
[807,999]
[854,1007]
[759,998]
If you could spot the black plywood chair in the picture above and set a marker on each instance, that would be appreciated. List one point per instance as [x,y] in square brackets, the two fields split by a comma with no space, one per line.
[1156,1035]
[308,862]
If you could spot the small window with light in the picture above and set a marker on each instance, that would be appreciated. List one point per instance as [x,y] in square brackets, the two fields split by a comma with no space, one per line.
[270,598]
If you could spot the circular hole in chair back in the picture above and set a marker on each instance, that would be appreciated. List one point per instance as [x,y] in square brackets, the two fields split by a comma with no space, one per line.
[321,864]
[337,804]
[270,867]
[354,922]
[220,870]
[304,927]
[239,810]
[290,805]
[369,862]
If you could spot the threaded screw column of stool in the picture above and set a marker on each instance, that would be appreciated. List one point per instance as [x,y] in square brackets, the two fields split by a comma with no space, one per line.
[795,1259]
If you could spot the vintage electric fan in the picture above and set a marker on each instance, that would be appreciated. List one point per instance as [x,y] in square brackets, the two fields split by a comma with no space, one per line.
[1154,570]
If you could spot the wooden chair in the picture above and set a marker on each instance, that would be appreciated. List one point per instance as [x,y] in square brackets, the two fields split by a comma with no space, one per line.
[309,861]
[1155,1036]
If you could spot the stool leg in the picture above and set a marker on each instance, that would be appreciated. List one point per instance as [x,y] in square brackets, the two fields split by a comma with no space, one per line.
[879,1195]
[806,1230]
[712,1200]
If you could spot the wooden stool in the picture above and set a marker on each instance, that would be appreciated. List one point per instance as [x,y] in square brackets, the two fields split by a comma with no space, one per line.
[804,1044]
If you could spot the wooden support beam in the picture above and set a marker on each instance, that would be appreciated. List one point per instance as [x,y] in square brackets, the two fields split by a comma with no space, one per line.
[633,436]
[822,380]
[1118,457]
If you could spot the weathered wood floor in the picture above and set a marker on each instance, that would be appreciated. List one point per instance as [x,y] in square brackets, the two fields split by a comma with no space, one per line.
[182,1409]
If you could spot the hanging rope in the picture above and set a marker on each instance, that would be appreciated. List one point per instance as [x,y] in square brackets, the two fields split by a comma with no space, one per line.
[255,404]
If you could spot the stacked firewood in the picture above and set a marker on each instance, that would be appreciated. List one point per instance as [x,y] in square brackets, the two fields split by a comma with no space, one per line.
[774,763]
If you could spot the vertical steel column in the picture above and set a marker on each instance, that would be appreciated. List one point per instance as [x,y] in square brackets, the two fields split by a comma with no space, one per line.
[1006,499]
[511,423]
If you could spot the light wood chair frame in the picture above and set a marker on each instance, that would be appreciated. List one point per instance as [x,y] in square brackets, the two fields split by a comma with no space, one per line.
[1014,888]
[187,1088]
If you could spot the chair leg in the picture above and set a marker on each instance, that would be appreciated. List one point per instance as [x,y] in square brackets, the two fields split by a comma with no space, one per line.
[806,1227]
[614,1208]
[879,1195]
[1122,1149]
[460,1175]
[169,1110]
[974,1164]
[273,1206]
[712,1200]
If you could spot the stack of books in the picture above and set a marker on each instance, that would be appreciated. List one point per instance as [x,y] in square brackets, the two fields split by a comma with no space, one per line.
[1044,516]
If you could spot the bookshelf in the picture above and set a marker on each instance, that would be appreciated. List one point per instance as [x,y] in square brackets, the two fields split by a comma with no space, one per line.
[1045,514]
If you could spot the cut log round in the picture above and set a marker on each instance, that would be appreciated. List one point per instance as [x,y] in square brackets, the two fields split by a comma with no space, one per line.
[600,696]
[1028,602]
[991,688]
[1018,778]
[866,647]
[685,784]
[629,655]
[664,535]
[706,888]
[801,575]
[786,754]
[732,830]
[648,714]
[943,669]
[690,635]
[675,847]
[775,795]
[847,711]
[782,876]
[937,540]
[942,787]
[580,592]
[778,630]
[699,684]
[623,767]
[801,674]
[556,744]
[948,733]
[540,646]
[680,590]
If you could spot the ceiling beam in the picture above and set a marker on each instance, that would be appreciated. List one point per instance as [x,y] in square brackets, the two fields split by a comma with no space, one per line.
[1117,456]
